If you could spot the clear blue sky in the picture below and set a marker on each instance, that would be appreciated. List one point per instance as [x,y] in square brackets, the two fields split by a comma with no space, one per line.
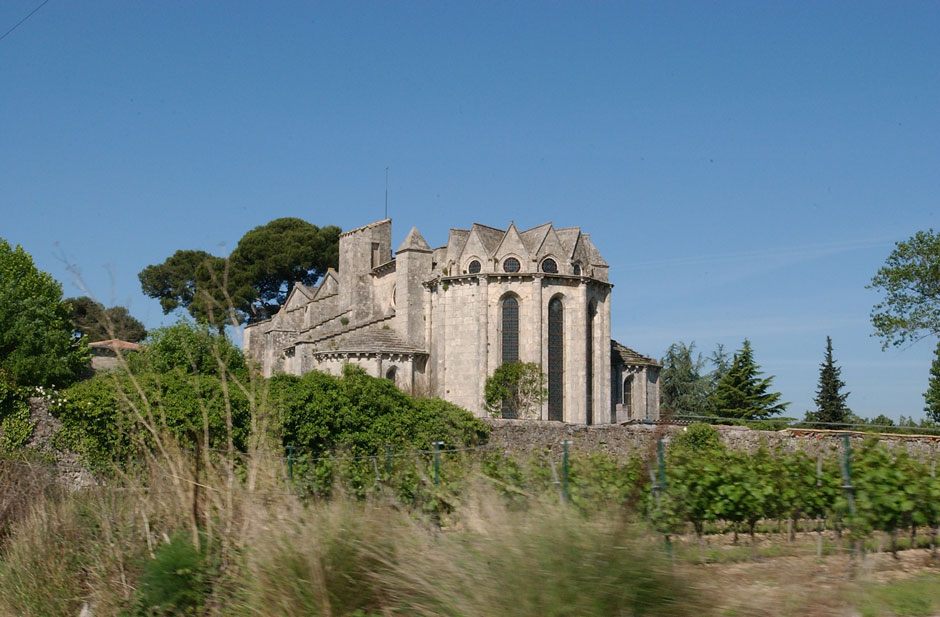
[745,168]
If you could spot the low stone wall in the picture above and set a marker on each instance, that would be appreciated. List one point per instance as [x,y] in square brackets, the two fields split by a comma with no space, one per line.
[68,468]
[622,441]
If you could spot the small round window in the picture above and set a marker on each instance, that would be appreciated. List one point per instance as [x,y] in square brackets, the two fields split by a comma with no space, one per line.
[550,266]
[474,267]
[511,265]
[577,269]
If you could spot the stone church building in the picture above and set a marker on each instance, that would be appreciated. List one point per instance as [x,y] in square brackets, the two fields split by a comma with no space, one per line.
[439,321]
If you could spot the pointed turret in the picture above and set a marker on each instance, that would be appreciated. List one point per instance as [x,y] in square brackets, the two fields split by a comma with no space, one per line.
[413,242]
[413,267]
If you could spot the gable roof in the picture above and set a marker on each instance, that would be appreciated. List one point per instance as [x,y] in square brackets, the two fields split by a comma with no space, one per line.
[625,355]
[568,236]
[489,236]
[533,238]
[456,240]
[328,286]
[511,243]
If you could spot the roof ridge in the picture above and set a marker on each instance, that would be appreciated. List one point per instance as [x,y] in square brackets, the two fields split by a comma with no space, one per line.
[369,226]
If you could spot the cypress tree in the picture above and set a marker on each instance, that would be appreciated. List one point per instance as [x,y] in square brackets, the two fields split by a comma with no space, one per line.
[742,393]
[932,395]
[830,401]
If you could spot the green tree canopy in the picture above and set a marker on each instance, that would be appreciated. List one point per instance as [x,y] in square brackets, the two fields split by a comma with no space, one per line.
[256,278]
[188,348]
[721,363]
[37,346]
[932,395]
[830,400]
[742,393]
[682,386]
[98,323]
[910,282]
[270,258]
[192,280]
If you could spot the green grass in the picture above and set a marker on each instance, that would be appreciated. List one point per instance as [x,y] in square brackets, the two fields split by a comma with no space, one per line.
[913,598]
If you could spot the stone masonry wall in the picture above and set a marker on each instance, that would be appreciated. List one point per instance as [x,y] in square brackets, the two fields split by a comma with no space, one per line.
[534,437]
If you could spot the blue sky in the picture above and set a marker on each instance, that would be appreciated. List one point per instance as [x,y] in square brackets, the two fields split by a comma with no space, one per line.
[745,168]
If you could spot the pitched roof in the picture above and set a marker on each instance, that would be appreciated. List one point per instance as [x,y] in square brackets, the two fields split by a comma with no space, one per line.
[624,354]
[489,236]
[533,238]
[379,340]
[369,226]
[568,236]
[593,255]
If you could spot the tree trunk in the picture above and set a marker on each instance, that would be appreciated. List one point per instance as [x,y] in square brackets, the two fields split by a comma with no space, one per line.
[753,525]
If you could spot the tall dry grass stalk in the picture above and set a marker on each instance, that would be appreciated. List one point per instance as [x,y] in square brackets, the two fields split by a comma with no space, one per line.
[23,483]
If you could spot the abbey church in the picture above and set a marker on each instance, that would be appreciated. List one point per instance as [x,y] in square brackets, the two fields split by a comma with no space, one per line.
[439,321]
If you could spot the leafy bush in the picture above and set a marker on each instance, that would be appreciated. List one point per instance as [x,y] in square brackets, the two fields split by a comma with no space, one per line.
[598,481]
[515,390]
[696,437]
[15,425]
[99,416]
[174,582]
[95,420]
[188,348]
[180,385]
[360,415]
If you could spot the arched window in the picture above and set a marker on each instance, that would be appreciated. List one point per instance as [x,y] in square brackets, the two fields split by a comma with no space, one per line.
[556,359]
[628,396]
[510,346]
[550,266]
[474,267]
[577,269]
[390,374]
[511,265]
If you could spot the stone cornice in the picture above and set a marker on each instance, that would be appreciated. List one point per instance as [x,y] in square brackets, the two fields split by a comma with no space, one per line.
[485,276]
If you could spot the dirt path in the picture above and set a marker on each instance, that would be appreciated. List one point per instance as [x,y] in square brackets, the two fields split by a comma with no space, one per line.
[804,585]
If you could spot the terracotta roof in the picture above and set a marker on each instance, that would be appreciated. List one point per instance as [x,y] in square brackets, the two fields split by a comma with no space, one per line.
[115,344]
[379,340]
[624,354]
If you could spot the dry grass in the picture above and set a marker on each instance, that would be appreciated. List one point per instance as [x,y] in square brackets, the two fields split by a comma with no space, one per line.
[22,484]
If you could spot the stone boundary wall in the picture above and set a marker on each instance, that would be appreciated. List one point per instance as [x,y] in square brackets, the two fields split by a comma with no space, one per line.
[622,441]
[68,467]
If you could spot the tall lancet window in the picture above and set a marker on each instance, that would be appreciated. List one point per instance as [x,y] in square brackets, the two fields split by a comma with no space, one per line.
[589,369]
[510,349]
[510,346]
[556,359]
